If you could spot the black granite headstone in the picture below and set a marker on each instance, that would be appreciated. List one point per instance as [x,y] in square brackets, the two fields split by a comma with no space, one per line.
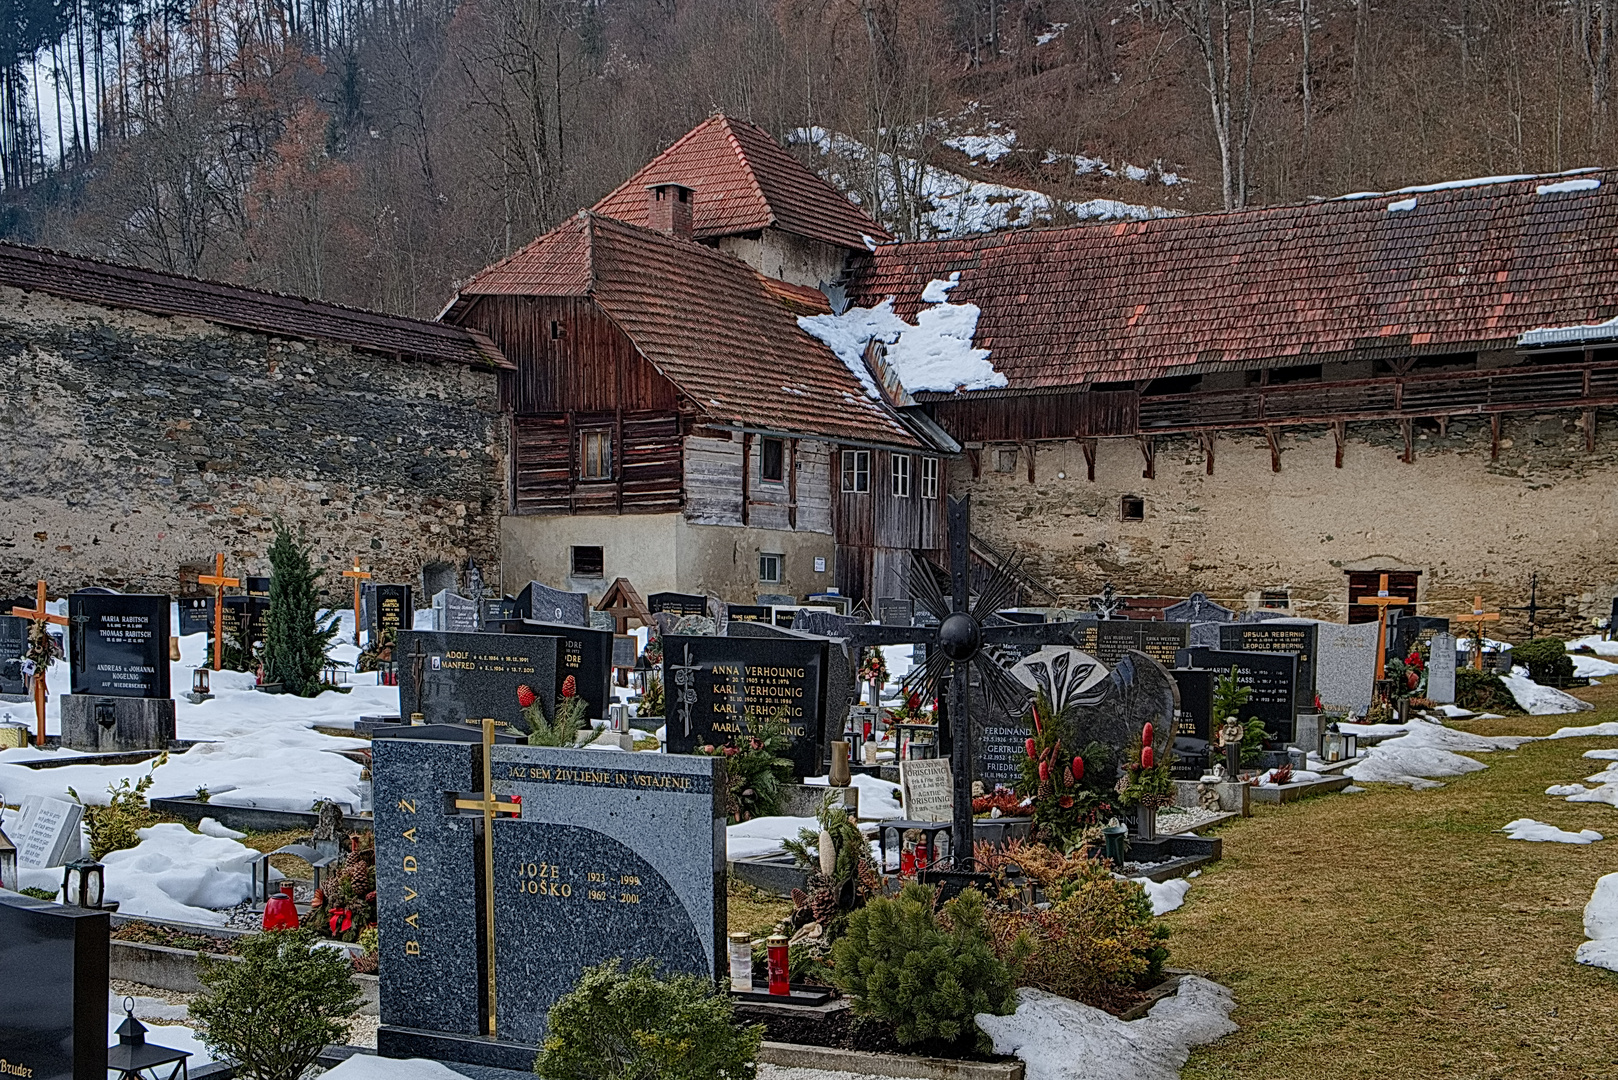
[495,610]
[53,1004]
[1193,721]
[895,611]
[1109,640]
[581,652]
[1299,639]
[747,613]
[13,647]
[1271,678]
[545,604]
[1409,630]
[677,603]
[824,623]
[244,620]
[390,609]
[467,678]
[119,644]
[196,615]
[258,588]
[714,686]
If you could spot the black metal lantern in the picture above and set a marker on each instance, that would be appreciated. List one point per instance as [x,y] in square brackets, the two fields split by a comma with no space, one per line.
[136,1059]
[83,883]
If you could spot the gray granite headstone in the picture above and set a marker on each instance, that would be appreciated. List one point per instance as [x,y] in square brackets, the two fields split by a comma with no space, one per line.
[1204,635]
[545,604]
[455,614]
[926,789]
[1138,691]
[467,678]
[1345,666]
[437,577]
[895,611]
[1198,609]
[1441,669]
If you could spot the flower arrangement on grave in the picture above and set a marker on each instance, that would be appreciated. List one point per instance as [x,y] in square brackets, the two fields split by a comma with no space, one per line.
[1408,677]
[296,639]
[1229,698]
[378,652]
[117,825]
[756,767]
[1003,799]
[651,700]
[654,652]
[562,727]
[44,647]
[874,667]
[346,906]
[1281,775]
[911,711]
[1059,779]
[1147,779]
[842,878]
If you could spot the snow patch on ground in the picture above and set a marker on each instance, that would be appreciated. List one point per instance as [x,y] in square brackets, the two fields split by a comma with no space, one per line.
[1601,755]
[763,836]
[1421,750]
[371,1067]
[1060,1039]
[1563,790]
[1609,728]
[879,799]
[1165,896]
[174,873]
[1539,832]
[1606,793]
[1588,667]
[1537,700]
[1601,926]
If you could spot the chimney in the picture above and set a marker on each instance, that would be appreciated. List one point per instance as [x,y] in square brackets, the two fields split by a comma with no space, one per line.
[668,208]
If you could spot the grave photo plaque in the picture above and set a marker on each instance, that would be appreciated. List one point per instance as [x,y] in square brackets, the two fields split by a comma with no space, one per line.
[714,686]
[466,678]
[53,1019]
[1271,678]
[1297,638]
[119,644]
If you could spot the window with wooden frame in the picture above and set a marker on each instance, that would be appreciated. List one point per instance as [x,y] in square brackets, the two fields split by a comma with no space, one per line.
[595,454]
[772,461]
[857,471]
[929,478]
[901,476]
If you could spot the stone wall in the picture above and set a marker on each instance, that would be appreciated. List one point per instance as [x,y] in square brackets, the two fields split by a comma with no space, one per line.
[1472,525]
[135,443]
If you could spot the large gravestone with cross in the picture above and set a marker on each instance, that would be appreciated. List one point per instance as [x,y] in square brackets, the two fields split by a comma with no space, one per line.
[715,687]
[503,870]
[466,678]
[118,651]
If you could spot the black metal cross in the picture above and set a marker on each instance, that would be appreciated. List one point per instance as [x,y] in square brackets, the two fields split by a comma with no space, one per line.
[958,645]
[684,690]
[418,671]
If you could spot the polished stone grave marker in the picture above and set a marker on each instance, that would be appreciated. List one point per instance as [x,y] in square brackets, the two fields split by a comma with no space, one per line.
[677,603]
[545,604]
[118,654]
[196,614]
[747,613]
[1193,721]
[53,1000]
[1271,677]
[492,611]
[581,652]
[13,647]
[714,686]
[1345,666]
[466,678]
[895,611]
[1109,640]
[926,790]
[1441,669]
[1295,636]
[48,831]
[594,856]
[390,609]
[454,614]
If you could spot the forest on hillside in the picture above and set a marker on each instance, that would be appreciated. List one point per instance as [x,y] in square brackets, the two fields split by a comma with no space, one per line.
[375,152]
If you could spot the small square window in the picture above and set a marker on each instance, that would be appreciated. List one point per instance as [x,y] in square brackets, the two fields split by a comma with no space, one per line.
[1005,460]
[589,562]
[558,329]
[769,568]
[595,454]
[1274,598]
[901,476]
[857,471]
[929,478]
[772,461]
[1132,508]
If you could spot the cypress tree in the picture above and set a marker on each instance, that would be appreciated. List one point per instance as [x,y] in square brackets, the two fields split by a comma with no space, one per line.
[295,639]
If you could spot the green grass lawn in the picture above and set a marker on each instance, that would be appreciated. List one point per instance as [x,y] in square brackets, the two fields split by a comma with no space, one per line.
[1395,933]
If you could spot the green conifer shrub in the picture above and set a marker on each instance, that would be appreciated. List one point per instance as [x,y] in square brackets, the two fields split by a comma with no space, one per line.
[928,973]
[295,638]
[1546,659]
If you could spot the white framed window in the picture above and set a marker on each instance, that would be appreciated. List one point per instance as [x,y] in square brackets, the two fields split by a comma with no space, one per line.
[595,454]
[769,568]
[857,471]
[901,476]
[929,478]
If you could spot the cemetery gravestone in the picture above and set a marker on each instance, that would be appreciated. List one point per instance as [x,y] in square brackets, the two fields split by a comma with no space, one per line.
[1295,637]
[1027,618]
[243,618]
[1411,630]
[824,623]
[53,1012]
[1198,609]
[1441,663]
[545,604]
[196,614]
[118,653]
[1270,677]
[714,687]
[678,603]
[13,648]
[49,832]
[608,856]
[390,610]
[493,611]
[466,678]
[926,790]
[747,613]
[894,611]
[454,614]
[1193,721]
[1108,641]
[625,651]
[582,653]
[1345,666]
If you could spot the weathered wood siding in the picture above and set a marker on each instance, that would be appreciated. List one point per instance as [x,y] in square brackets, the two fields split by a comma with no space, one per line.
[647,466]
[714,485]
[877,530]
[1027,418]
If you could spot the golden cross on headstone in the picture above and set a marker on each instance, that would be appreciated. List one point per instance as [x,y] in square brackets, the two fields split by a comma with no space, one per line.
[1382,601]
[42,618]
[218,580]
[358,575]
[1477,619]
[490,805]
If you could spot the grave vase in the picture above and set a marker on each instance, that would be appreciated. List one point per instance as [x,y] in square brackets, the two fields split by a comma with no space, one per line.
[1146,822]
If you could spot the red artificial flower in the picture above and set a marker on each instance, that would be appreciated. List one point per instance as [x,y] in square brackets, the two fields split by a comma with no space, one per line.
[1146,735]
[1146,756]
[525,695]
[1078,769]
[913,702]
[731,751]
[1412,680]
[341,921]
[1028,744]
[570,687]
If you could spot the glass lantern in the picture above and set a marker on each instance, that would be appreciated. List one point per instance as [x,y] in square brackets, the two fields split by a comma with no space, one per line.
[1351,745]
[199,681]
[83,883]
[1332,744]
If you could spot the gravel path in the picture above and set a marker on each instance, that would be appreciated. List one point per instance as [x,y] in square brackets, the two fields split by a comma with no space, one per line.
[776,1072]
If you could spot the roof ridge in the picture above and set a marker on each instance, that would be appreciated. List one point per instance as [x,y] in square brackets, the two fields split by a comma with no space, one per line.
[747,166]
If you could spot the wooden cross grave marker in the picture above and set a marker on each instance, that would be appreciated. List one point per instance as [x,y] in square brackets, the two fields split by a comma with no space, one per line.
[218,580]
[358,575]
[1477,619]
[41,618]
[488,804]
[1382,601]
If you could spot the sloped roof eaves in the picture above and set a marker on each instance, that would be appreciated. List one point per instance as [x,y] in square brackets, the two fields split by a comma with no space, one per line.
[1468,268]
[160,293]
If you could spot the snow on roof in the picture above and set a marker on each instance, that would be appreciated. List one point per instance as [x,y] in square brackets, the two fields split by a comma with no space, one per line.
[1587,184]
[1570,335]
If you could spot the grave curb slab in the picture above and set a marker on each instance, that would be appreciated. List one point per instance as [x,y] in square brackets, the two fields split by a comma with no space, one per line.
[1294,792]
[861,1063]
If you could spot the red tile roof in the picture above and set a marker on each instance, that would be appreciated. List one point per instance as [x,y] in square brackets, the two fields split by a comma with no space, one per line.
[1466,268]
[744,181]
[706,320]
[135,288]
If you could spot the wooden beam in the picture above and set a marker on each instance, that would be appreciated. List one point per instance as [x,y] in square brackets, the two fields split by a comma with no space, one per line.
[1207,440]
[1148,453]
[1589,431]
[1494,429]
[975,457]
[1443,427]
[1089,448]
[747,474]
[1339,433]
[1028,448]
[792,483]
[1273,439]
[1407,428]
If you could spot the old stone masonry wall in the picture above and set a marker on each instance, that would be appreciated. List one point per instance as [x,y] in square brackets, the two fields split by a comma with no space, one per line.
[1472,525]
[133,444]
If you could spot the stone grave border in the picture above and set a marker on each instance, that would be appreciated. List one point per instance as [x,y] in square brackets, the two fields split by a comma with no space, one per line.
[1293,792]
